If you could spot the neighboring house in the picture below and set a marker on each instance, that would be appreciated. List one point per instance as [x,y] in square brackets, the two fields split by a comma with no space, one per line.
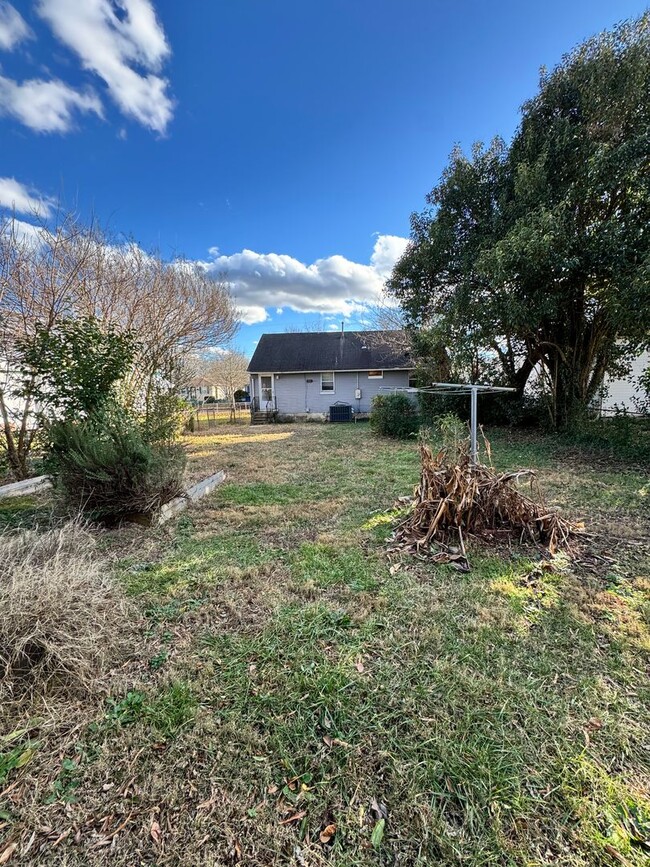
[197,390]
[9,382]
[303,375]
[619,394]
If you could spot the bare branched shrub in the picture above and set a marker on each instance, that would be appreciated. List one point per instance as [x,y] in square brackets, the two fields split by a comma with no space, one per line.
[70,270]
[63,621]
[228,371]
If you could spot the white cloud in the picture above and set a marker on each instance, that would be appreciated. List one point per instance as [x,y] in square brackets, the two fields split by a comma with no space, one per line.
[20,198]
[45,106]
[334,285]
[23,231]
[123,43]
[251,314]
[13,27]
[388,249]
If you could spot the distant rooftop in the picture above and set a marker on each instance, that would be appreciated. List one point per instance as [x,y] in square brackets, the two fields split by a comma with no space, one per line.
[331,350]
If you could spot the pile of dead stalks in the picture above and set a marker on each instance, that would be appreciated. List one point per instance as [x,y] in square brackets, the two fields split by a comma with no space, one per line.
[455,500]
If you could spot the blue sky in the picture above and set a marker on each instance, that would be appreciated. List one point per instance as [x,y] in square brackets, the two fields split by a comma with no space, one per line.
[284,142]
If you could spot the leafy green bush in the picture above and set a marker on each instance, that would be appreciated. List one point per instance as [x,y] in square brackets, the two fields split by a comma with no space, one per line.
[394,415]
[623,438]
[105,468]
[70,369]
[642,399]
[433,406]
[508,410]
[165,417]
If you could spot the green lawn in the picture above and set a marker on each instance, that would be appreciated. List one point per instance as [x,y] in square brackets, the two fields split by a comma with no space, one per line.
[291,681]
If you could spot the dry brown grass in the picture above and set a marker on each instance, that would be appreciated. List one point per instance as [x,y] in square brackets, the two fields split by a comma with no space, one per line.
[63,621]
[287,678]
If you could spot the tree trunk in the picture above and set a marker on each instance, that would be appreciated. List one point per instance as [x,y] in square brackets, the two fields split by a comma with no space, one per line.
[16,456]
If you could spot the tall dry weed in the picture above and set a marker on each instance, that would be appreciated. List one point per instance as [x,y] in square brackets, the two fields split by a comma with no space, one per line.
[63,620]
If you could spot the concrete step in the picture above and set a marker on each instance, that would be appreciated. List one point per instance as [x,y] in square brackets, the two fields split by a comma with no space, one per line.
[262,417]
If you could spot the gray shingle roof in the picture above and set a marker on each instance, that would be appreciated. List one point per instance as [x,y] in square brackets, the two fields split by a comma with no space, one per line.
[329,350]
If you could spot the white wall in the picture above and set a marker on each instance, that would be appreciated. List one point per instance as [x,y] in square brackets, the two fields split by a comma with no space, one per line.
[621,391]
[298,393]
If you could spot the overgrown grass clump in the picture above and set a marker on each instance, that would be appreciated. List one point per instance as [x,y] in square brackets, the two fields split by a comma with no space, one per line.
[63,620]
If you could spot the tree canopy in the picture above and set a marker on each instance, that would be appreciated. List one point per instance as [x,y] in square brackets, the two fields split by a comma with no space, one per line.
[55,275]
[536,255]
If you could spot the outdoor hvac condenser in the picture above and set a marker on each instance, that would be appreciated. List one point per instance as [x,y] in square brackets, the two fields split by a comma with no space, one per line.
[340,412]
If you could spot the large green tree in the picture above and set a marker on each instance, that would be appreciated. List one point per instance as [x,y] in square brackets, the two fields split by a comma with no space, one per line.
[537,255]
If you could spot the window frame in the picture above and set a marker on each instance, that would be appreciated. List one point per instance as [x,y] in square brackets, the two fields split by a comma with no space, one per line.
[331,390]
[375,374]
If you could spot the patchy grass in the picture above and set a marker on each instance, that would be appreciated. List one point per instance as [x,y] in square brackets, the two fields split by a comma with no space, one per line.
[261,494]
[299,702]
[17,513]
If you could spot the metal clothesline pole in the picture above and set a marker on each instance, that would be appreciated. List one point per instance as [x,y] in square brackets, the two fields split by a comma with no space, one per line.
[473,451]
[453,388]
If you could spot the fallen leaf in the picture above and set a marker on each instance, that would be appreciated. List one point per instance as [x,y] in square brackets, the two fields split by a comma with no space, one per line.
[272,789]
[25,756]
[61,837]
[295,818]
[359,666]
[8,852]
[395,568]
[616,855]
[328,741]
[379,809]
[327,833]
[378,833]
[155,832]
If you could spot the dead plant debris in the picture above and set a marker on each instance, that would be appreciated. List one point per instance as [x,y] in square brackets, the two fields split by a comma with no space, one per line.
[455,500]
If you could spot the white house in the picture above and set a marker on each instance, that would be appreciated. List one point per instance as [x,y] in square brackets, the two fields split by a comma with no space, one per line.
[200,389]
[620,393]
[304,375]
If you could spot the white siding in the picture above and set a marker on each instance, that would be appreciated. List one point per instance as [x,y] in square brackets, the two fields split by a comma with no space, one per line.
[621,391]
[301,392]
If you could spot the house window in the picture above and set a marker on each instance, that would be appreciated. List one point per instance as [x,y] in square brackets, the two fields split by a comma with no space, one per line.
[375,374]
[266,388]
[327,381]
[413,380]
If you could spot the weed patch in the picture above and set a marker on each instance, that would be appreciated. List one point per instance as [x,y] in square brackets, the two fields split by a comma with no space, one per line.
[327,566]
[165,713]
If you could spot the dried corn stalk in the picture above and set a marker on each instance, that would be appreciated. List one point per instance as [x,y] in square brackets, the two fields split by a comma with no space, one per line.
[455,500]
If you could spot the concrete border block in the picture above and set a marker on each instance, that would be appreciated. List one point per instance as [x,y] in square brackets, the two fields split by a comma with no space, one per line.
[28,486]
[200,489]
